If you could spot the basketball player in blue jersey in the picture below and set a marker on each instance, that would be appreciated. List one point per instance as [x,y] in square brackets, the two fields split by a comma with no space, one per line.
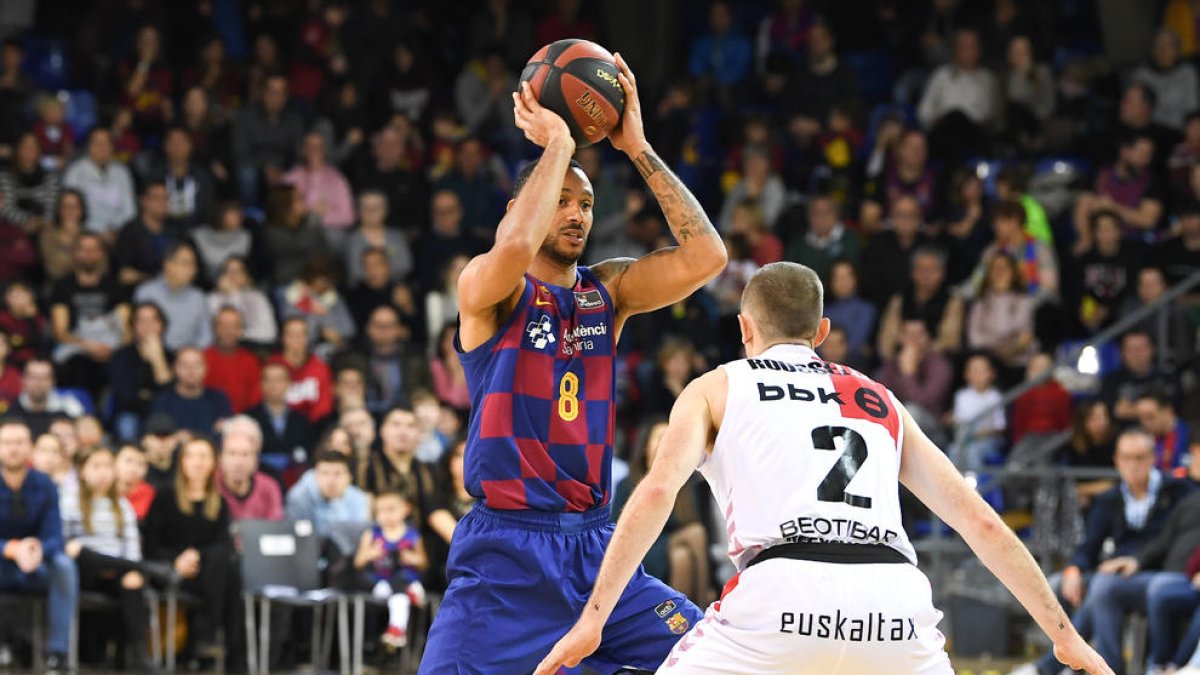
[537,338]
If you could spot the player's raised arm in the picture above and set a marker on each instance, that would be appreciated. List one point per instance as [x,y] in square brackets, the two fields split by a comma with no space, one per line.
[679,453]
[670,274]
[494,276]
[926,471]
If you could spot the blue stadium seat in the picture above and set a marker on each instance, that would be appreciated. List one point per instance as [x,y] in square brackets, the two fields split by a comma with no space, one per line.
[876,73]
[82,112]
[47,61]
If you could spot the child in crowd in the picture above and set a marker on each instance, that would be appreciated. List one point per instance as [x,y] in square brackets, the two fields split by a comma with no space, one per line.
[101,533]
[50,457]
[55,136]
[428,410]
[393,557]
[979,394]
[131,479]
[23,325]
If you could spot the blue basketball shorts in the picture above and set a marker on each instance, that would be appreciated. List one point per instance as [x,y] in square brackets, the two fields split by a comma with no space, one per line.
[518,581]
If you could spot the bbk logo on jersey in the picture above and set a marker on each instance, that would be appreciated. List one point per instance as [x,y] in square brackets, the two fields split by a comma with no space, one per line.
[540,332]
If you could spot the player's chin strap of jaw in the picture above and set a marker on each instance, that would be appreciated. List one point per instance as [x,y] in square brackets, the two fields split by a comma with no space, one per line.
[832,552]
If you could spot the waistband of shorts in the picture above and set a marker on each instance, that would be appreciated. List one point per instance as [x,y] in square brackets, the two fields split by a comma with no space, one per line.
[833,552]
[546,521]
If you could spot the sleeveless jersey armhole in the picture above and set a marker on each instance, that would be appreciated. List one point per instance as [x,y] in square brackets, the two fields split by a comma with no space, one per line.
[486,347]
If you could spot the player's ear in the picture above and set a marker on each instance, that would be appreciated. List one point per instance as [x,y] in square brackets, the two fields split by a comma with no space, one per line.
[746,324]
[509,205]
[822,332]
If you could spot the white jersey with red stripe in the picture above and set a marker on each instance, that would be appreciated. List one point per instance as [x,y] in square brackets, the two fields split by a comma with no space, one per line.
[808,451]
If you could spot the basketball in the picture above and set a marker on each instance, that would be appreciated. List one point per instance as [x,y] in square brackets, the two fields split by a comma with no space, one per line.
[578,80]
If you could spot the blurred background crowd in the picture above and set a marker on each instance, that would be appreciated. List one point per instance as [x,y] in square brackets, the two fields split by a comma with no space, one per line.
[243,220]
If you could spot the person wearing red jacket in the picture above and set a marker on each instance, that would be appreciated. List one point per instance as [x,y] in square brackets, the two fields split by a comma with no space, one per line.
[1045,409]
[311,391]
[232,368]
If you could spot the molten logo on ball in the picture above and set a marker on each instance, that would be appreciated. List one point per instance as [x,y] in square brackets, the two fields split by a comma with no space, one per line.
[592,109]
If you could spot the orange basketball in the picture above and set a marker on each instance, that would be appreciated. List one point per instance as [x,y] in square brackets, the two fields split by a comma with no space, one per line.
[578,80]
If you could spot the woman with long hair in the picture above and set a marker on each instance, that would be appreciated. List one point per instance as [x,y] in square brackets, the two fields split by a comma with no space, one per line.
[1001,321]
[449,378]
[56,241]
[101,531]
[1092,443]
[188,527]
[680,554]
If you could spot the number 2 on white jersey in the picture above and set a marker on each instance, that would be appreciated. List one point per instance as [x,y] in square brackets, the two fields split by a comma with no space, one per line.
[854,453]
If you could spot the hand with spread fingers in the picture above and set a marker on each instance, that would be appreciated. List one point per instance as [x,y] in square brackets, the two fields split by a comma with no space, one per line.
[539,124]
[629,135]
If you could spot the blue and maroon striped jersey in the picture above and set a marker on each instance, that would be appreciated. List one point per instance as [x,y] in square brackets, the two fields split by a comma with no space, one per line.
[542,401]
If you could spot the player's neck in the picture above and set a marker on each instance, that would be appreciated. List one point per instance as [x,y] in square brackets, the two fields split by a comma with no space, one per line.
[553,272]
[793,343]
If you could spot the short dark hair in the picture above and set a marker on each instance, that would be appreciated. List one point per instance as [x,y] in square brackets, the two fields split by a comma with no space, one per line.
[786,300]
[1010,209]
[1160,398]
[527,171]
[158,311]
[332,457]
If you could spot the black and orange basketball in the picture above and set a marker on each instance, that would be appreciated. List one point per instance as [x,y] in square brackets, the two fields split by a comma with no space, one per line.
[578,80]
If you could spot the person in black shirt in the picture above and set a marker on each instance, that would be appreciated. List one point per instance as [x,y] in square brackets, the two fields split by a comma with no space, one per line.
[1104,272]
[1179,256]
[89,312]
[138,370]
[1137,375]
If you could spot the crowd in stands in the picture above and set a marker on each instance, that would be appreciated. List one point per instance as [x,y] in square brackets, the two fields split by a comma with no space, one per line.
[230,235]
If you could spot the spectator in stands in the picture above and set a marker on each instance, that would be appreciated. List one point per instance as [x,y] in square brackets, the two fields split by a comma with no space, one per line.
[1138,373]
[967,226]
[311,391]
[235,289]
[979,397]
[10,376]
[1128,188]
[1001,317]
[888,254]
[1091,445]
[395,554]
[106,185]
[1157,417]
[227,237]
[324,188]
[481,98]
[1044,412]
[449,378]
[1142,582]
[826,240]
[428,411]
[1173,81]
[232,369]
[143,243]
[1036,263]
[375,288]
[1131,515]
[1179,257]
[927,299]
[1184,156]
[441,301]
[834,349]
[1029,94]
[183,304]
[445,240]
[723,56]
[390,172]
[1180,337]
[50,458]
[23,325]
[959,106]
[191,405]
[395,466]
[138,370]
[293,234]
[314,297]
[674,366]
[56,241]
[919,376]
[15,93]
[1135,118]
[89,311]
[1104,272]
[131,479]
[749,223]
[28,192]
[40,401]
[475,178]
[32,532]
[191,188]
[819,84]
[147,83]
[906,171]
[374,233]
[1012,184]
[394,368]
[265,137]
[209,133]
[188,527]
[759,184]
[284,430]
[248,492]
[160,440]
[101,533]
[325,496]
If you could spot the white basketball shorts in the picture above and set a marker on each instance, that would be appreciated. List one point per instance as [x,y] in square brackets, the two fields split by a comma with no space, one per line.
[816,618]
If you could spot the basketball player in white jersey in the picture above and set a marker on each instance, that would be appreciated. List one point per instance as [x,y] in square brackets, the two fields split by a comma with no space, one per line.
[804,458]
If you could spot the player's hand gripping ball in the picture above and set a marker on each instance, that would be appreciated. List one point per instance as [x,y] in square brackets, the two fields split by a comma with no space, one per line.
[577,79]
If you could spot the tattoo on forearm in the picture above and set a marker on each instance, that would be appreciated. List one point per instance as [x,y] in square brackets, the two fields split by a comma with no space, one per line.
[684,214]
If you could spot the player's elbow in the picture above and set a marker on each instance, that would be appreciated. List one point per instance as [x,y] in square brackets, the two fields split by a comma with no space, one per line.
[711,258]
